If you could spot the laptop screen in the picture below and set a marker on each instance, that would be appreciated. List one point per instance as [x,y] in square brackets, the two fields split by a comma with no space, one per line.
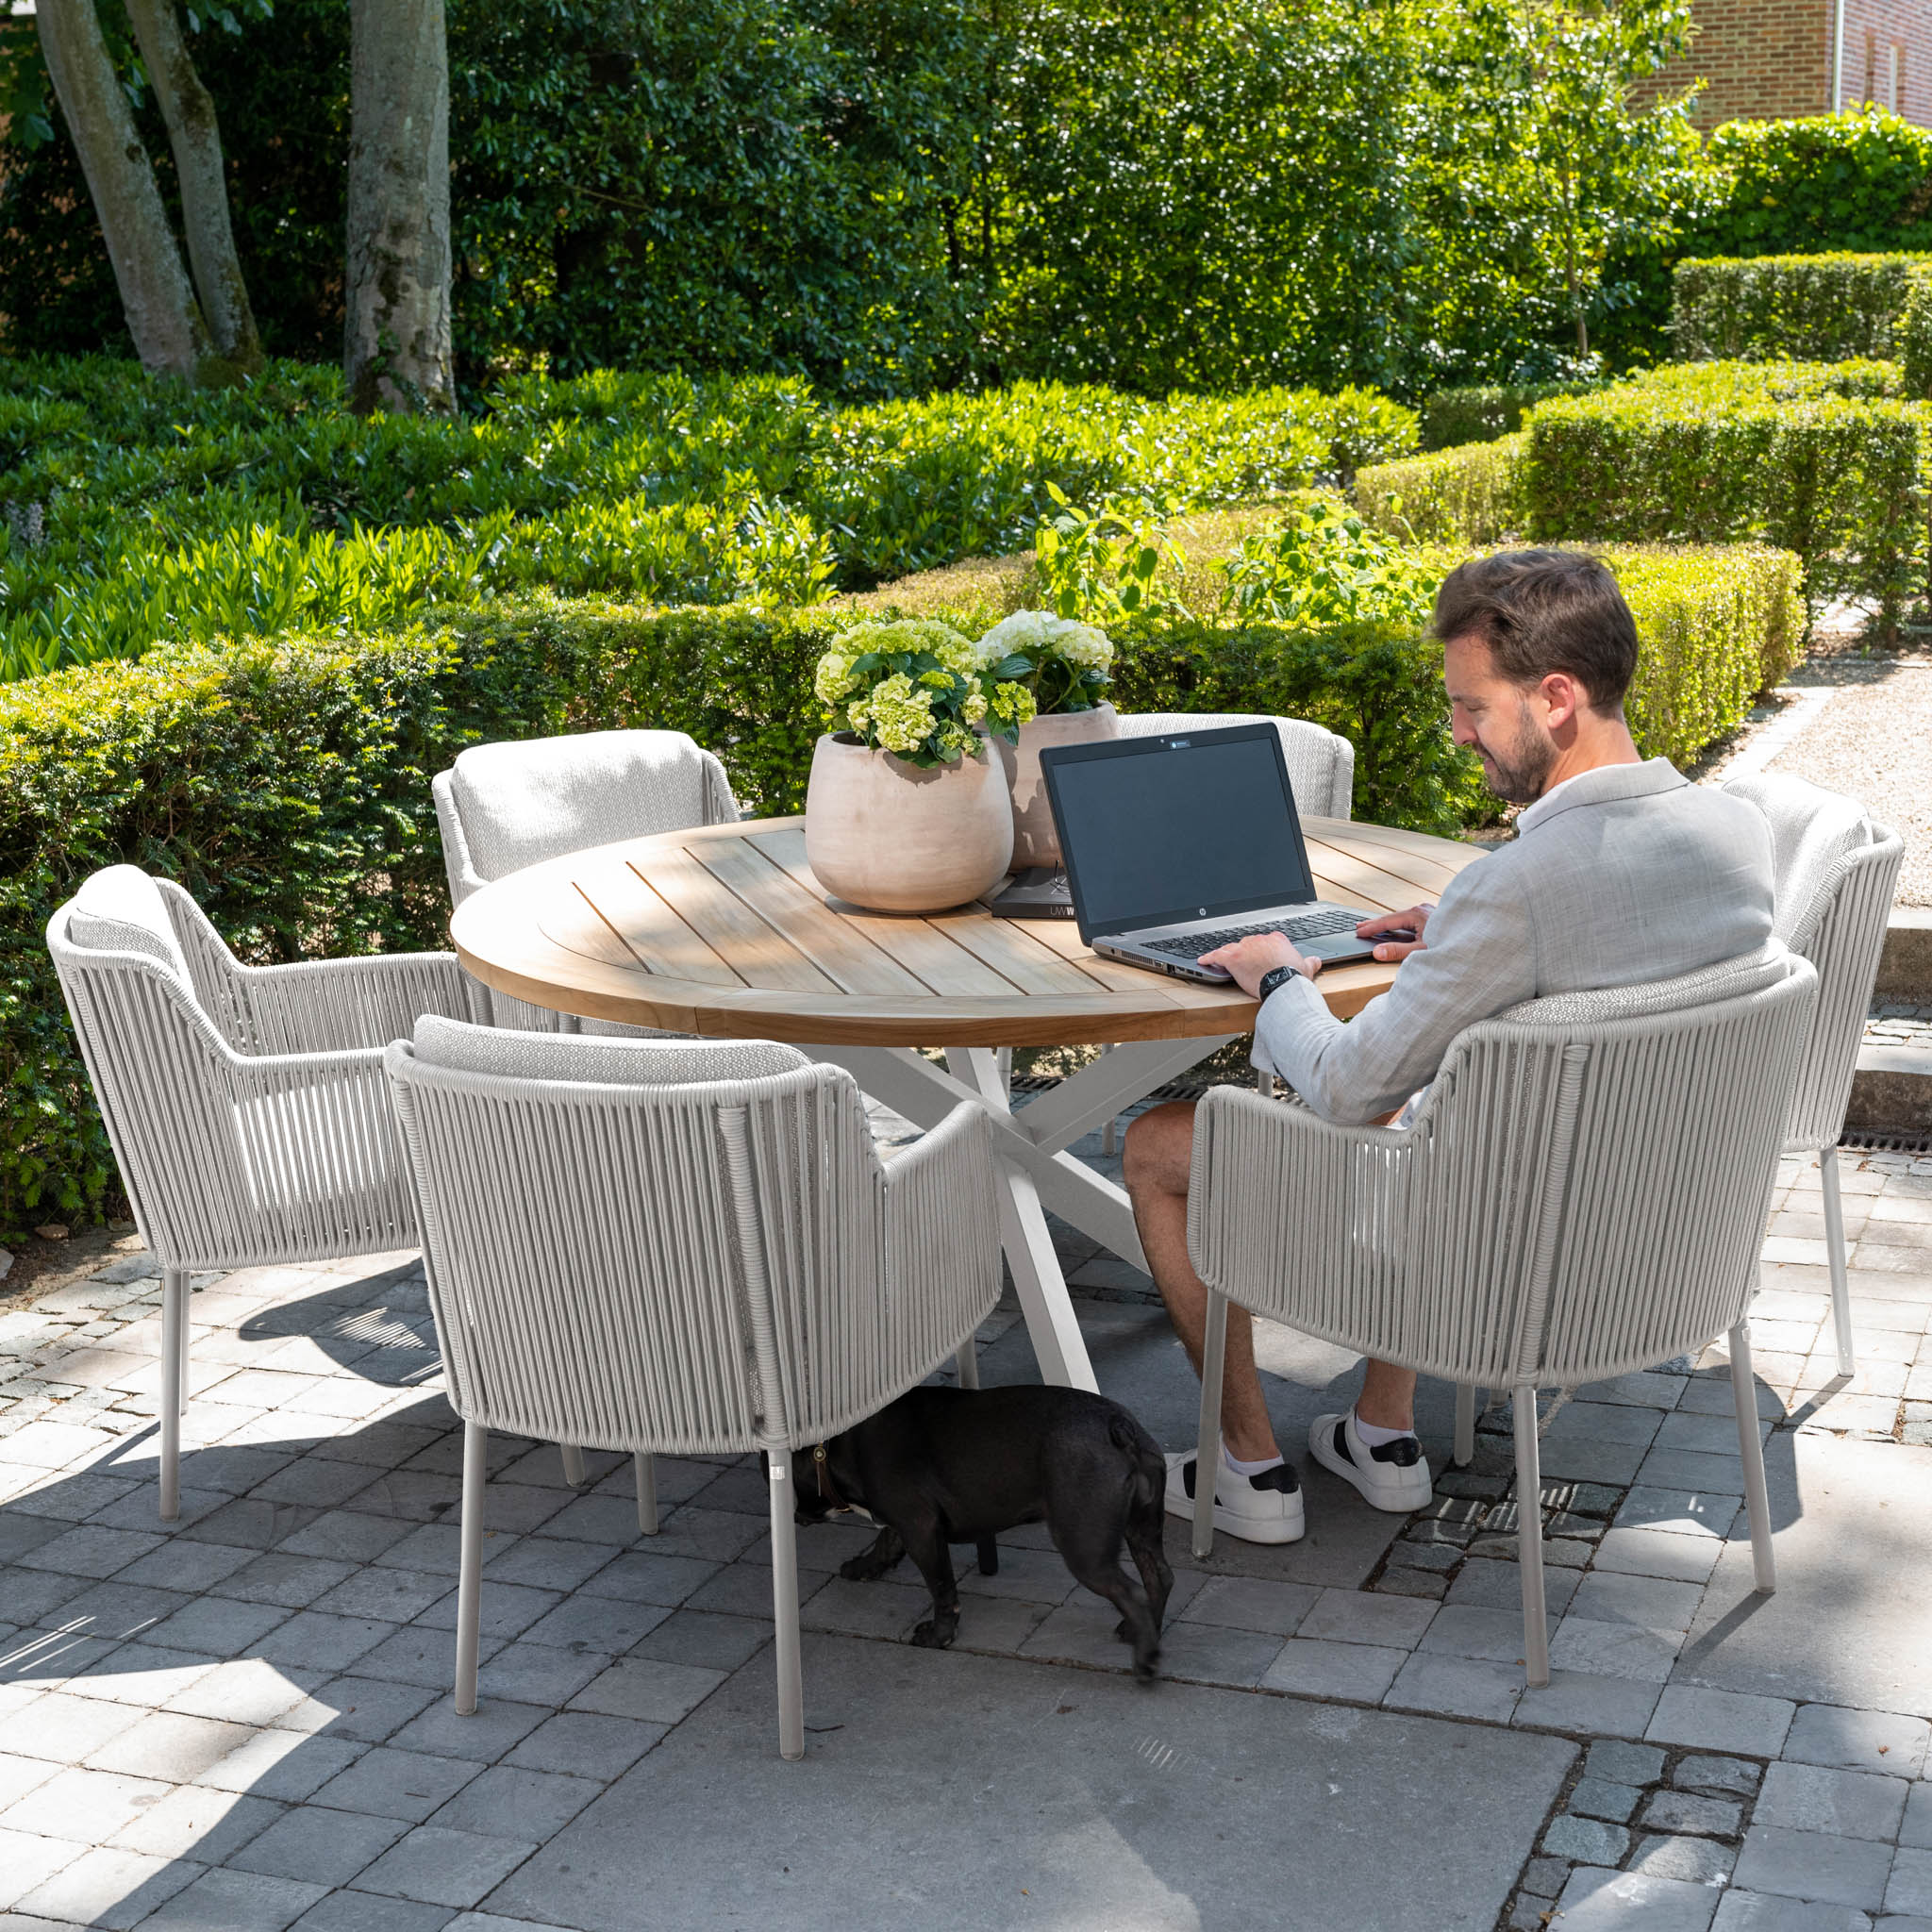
[1160,830]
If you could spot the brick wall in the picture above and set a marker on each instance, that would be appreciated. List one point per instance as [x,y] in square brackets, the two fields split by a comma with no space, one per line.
[1873,29]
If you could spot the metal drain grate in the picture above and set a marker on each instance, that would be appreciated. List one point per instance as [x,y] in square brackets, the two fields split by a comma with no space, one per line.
[1854,1142]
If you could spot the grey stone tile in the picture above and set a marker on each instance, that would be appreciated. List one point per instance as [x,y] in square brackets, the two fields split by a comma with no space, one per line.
[1810,1865]
[438,1547]
[1848,1804]
[646,1577]
[1600,1900]
[1873,1741]
[1614,1650]
[1655,1603]
[606,1623]
[1657,1552]
[88,1806]
[1694,1860]
[1000,1624]
[417,1654]
[887,1610]
[1248,1603]
[363,1912]
[229,1901]
[711,1535]
[1681,1512]
[443,1867]
[110,1889]
[1498,1585]
[64,1729]
[518,1802]
[1456,1687]
[539,1673]
[1586,1841]
[349,1536]
[387,1595]
[194,1823]
[745,1590]
[367,1710]
[180,1565]
[1316,1666]
[1686,1469]
[1621,1763]
[1354,1616]
[20,1774]
[1720,1720]
[325,1847]
[406,1785]
[278,1577]
[1736,1777]
[171,1745]
[586,1742]
[282,1764]
[26,1859]
[505,1610]
[91,1550]
[648,1689]
[244,1523]
[1910,1885]
[1470,1630]
[323,1642]
[220,1627]
[490,1730]
[1689,1812]
[28,1596]
[414,1495]
[1759,1912]
[1915,1830]
[548,1563]
[1597,1797]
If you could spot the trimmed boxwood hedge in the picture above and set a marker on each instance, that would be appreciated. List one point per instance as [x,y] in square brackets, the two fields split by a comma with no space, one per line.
[1812,308]
[1472,494]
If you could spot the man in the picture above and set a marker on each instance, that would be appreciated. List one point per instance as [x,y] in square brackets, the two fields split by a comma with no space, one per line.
[1622,872]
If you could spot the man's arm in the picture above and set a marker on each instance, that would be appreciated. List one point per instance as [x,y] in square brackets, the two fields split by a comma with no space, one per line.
[1480,957]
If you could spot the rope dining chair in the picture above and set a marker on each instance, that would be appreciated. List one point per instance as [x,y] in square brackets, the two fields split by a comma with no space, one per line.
[1581,1194]
[246,1105]
[681,1248]
[1835,871]
[503,806]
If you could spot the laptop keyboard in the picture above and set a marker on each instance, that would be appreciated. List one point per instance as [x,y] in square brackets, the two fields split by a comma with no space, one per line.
[1311,925]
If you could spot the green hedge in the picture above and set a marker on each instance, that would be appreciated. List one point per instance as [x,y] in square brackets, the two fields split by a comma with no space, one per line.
[1915,340]
[1812,459]
[1485,411]
[1471,495]
[1816,308]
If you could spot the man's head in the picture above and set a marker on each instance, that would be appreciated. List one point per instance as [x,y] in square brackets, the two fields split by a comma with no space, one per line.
[1537,650]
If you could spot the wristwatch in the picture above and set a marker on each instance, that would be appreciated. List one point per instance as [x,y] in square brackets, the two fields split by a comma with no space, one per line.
[1275,980]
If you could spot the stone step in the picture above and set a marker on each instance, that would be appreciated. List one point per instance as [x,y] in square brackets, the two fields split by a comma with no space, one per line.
[1892,1091]
[1904,968]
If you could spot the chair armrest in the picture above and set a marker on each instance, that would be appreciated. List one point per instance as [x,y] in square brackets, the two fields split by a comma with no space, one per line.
[942,1224]
[333,1006]
[1299,1219]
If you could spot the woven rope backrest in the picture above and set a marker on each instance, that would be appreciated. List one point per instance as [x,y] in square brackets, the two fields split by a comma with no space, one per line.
[1321,763]
[1661,1136]
[689,1268]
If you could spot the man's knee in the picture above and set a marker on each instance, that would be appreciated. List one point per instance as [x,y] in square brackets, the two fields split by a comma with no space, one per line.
[1159,1147]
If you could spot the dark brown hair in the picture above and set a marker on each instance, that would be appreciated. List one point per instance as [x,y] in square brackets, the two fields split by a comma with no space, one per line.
[1540,611]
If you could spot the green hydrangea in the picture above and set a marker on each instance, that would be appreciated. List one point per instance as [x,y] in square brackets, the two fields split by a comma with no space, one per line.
[901,713]
[1011,704]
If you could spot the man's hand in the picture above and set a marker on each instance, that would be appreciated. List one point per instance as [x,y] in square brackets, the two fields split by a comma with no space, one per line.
[1413,921]
[1248,959]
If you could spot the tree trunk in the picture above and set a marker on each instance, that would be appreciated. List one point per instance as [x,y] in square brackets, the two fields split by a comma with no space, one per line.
[192,132]
[396,341]
[170,334]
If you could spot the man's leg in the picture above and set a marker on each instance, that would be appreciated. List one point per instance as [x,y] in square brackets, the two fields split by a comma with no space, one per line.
[1158,1158]
[1155,1159]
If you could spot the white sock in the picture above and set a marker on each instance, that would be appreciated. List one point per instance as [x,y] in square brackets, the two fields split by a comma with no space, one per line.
[1375,1434]
[1242,1467]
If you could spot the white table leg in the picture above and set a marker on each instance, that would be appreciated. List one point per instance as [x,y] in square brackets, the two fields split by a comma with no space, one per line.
[1042,1176]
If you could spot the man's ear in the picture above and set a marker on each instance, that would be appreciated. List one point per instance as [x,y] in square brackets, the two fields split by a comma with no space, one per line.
[1564,698]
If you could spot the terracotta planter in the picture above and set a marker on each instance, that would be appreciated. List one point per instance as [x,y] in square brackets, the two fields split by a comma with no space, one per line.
[1035,842]
[887,836]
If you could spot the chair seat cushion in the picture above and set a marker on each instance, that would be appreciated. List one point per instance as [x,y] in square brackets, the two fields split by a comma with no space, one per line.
[597,1062]
[119,909]
[521,804]
[1813,831]
[302,1152]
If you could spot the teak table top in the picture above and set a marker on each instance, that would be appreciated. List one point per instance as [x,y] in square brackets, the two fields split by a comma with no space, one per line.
[722,930]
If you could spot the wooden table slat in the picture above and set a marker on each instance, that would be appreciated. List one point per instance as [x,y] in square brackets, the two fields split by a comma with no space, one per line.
[1033,967]
[759,956]
[615,900]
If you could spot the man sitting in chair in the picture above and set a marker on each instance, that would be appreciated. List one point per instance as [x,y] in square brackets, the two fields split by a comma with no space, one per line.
[1621,871]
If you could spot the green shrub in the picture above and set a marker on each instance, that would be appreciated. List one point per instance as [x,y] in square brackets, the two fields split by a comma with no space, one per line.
[1817,308]
[1472,494]
[165,514]
[1915,340]
[1729,452]
[1488,411]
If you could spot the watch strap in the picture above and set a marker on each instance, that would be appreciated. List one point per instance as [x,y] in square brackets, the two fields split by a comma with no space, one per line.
[1274,981]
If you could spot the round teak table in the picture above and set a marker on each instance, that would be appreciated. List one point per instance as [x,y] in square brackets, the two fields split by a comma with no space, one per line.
[723,931]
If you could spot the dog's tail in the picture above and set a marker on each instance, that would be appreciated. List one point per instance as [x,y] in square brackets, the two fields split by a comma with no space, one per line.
[1147,1486]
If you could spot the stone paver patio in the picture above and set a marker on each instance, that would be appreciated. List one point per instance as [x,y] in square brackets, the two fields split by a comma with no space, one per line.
[245,1722]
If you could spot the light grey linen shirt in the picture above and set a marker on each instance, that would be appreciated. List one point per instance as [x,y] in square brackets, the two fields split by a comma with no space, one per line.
[1622,874]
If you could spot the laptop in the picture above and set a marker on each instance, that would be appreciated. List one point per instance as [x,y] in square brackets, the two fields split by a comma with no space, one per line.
[1177,844]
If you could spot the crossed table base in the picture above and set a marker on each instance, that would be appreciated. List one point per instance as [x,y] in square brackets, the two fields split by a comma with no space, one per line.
[724,932]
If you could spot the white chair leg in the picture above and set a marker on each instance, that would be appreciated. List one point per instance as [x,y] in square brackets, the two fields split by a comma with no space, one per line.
[644,1468]
[1464,1451]
[1529,1540]
[181,1329]
[1111,1133]
[1264,1084]
[469,1565]
[174,1387]
[574,1472]
[1751,1454]
[966,1363]
[785,1609]
[1208,1436]
[1835,1254]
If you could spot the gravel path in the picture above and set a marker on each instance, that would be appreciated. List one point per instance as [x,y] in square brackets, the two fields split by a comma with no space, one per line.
[1873,741]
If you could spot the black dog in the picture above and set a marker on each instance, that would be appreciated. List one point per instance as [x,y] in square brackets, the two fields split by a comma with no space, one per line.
[943,1466]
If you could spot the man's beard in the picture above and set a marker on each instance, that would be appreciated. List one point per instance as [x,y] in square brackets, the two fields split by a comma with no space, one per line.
[1518,780]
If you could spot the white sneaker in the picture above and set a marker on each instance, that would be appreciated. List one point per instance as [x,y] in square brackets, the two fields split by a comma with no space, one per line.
[1394,1477]
[1265,1509]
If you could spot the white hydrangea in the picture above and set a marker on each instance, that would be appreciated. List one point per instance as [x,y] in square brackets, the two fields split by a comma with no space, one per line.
[1039,634]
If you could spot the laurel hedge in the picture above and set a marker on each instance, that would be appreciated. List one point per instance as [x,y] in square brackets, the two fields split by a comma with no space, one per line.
[1810,307]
